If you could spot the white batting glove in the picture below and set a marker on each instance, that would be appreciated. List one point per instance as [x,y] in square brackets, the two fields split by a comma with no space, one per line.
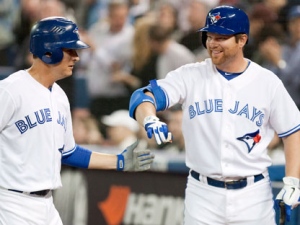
[159,129]
[289,194]
[132,159]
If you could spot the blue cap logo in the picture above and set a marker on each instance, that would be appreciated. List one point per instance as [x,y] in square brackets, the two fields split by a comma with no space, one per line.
[214,17]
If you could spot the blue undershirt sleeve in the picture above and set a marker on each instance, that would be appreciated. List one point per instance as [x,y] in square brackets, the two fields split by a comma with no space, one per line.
[80,158]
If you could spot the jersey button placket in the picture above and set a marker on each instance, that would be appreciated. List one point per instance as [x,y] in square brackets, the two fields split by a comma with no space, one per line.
[226,131]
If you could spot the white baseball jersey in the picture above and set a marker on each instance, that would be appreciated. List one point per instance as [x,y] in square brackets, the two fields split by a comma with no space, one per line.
[35,129]
[227,125]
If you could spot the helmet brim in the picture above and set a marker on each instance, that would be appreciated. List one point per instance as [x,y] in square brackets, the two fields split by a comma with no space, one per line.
[75,45]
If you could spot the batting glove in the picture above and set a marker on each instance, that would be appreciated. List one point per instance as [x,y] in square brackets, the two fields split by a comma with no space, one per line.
[159,129]
[289,194]
[132,159]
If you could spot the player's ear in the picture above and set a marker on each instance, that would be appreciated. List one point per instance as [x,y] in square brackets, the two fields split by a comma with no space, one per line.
[242,39]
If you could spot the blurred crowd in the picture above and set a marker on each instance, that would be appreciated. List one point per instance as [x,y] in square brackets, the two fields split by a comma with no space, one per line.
[134,41]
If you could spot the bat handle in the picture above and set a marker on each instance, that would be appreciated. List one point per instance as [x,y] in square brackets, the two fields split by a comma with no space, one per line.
[282,213]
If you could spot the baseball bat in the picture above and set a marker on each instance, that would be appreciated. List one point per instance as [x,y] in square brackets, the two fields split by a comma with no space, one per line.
[282,213]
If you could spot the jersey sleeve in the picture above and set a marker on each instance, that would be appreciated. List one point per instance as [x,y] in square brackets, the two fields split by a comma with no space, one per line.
[174,86]
[285,116]
[7,108]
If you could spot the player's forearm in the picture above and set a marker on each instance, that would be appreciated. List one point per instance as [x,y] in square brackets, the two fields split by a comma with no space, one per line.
[102,161]
[145,109]
[292,155]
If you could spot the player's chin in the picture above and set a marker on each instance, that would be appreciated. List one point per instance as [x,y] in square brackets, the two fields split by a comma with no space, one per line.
[215,60]
[69,72]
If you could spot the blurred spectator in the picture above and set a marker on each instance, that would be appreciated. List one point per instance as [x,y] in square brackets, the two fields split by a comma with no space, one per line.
[174,121]
[284,58]
[283,13]
[197,11]
[111,51]
[269,31]
[121,129]
[167,17]
[89,12]
[182,7]
[275,5]
[28,14]
[143,61]
[8,16]
[260,16]
[55,8]
[171,54]
[245,4]
[86,131]
[138,8]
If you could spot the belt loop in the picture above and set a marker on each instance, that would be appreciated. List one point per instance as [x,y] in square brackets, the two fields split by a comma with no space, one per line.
[250,180]
[203,179]
[266,174]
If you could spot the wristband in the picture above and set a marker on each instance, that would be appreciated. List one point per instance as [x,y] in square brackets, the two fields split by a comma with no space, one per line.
[120,162]
[150,118]
[291,181]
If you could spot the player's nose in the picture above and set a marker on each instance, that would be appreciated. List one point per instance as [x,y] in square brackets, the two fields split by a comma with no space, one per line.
[212,43]
[75,57]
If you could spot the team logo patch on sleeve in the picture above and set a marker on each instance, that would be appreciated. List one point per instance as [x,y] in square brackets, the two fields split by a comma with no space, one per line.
[250,139]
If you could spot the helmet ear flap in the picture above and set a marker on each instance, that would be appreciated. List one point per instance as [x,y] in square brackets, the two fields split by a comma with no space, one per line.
[53,57]
[203,38]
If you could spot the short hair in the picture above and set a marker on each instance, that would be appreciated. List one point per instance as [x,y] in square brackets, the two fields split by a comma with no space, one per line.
[117,3]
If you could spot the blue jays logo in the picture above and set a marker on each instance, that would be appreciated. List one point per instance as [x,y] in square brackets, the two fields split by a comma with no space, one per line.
[214,17]
[250,139]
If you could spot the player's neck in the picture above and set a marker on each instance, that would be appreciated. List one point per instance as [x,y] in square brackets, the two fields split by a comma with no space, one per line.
[41,75]
[237,66]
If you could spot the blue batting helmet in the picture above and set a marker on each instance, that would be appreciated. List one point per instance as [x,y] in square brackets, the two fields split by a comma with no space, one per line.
[50,35]
[226,20]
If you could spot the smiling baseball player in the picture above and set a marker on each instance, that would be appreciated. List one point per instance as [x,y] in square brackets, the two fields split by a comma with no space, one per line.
[36,133]
[231,108]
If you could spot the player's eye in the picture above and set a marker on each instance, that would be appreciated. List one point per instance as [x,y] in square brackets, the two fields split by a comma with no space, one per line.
[71,52]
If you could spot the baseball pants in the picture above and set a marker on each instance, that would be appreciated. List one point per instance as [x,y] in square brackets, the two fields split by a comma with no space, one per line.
[207,205]
[18,208]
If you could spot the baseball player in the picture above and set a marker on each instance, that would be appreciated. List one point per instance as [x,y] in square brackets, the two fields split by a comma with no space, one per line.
[231,108]
[36,130]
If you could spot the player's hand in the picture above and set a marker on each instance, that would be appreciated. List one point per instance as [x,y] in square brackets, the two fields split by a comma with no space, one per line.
[289,194]
[157,128]
[132,159]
